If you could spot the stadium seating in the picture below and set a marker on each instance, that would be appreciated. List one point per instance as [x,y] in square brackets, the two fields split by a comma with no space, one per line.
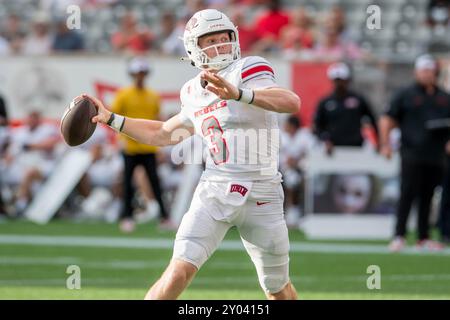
[403,30]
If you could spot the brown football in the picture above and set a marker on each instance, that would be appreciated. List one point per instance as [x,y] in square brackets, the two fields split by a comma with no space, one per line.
[76,125]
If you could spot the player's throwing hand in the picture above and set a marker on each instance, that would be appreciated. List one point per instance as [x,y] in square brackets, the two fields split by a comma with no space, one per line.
[103,114]
[219,86]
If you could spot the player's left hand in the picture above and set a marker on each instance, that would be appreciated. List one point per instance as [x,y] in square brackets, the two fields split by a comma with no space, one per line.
[219,86]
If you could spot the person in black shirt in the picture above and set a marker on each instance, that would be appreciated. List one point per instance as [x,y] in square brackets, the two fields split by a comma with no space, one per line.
[3,143]
[339,116]
[414,109]
[3,113]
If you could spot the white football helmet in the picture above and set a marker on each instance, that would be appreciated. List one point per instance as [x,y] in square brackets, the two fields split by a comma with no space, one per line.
[205,22]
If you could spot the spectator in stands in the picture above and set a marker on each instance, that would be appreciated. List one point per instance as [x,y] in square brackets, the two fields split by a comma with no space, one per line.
[167,25]
[340,116]
[57,8]
[268,27]
[100,4]
[66,40]
[295,145]
[139,102]
[252,3]
[14,33]
[39,40]
[217,4]
[130,38]
[192,6]
[247,36]
[168,41]
[337,14]
[298,34]
[422,149]
[30,157]
[333,45]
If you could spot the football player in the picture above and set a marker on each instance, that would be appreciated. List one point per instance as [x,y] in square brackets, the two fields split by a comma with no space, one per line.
[233,104]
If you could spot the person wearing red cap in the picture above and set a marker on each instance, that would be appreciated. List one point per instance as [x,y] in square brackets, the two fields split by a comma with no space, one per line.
[416,110]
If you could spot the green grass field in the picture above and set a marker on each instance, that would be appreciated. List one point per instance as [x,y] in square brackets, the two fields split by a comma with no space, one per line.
[34,259]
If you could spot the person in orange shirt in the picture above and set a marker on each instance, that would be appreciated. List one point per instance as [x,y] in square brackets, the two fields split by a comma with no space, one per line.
[137,101]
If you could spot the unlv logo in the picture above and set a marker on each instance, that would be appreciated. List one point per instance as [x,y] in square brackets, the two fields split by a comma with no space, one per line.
[238,188]
[192,23]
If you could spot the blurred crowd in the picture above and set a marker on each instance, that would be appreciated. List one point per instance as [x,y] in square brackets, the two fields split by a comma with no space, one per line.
[265,26]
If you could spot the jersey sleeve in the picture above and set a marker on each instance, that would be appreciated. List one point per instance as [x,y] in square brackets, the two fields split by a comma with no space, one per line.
[184,117]
[183,114]
[257,73]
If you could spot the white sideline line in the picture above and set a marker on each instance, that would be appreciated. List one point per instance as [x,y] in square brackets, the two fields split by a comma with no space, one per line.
[227,245]
[88,282]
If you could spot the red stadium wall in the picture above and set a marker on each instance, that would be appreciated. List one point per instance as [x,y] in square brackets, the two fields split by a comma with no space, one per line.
[310,82]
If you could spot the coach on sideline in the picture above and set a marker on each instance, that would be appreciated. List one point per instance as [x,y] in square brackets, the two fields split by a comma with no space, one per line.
[422,151]
[137,101]
[340,115]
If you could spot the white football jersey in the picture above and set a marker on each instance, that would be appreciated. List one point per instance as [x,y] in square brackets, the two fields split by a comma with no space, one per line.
[243,139]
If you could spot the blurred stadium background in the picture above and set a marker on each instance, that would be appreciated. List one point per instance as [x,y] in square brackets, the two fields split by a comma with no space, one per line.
[43,66]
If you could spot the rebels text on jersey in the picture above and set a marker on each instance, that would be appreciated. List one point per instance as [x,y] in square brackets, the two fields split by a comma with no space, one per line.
[243,139]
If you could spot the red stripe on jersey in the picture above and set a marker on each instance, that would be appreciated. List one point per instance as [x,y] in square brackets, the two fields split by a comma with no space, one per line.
[256,69]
